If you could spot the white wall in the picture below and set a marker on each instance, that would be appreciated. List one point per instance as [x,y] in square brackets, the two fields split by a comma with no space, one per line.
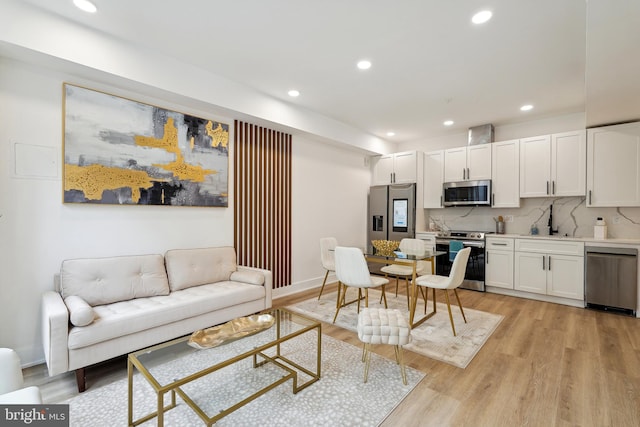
[38,231]
[330,187]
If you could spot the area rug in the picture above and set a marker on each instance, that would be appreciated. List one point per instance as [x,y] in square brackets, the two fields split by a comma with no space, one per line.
[340,398]
[433,338]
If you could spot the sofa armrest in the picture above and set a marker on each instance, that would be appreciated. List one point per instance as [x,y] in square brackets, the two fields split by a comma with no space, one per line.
[10,371]
[268,281]
[55,332]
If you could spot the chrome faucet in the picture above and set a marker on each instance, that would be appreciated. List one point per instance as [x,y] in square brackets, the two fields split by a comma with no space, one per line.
[550,223]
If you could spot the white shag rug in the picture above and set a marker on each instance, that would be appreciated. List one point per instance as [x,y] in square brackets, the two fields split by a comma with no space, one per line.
[339,398]
[433,338]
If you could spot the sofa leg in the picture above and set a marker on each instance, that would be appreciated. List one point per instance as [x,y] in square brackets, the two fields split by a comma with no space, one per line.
[80,379]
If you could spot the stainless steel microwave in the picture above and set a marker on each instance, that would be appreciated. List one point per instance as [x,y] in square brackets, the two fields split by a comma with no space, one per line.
[467,193]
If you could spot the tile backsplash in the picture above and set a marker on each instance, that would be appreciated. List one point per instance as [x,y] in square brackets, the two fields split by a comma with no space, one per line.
[570,217]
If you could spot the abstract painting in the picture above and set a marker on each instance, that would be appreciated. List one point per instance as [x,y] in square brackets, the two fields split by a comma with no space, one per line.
[119,151]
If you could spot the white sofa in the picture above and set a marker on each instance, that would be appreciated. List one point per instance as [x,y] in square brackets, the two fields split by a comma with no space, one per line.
[107,307]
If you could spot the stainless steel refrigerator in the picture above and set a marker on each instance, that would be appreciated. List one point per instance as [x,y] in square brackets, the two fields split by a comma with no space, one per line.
[392,212]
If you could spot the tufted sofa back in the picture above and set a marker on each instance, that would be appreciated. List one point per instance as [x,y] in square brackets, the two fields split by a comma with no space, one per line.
[194,267]
[107,280]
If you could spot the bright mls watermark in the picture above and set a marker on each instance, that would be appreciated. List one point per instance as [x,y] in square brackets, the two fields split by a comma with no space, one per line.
[34,415]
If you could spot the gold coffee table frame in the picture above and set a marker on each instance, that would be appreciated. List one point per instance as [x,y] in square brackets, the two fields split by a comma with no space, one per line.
[284,319]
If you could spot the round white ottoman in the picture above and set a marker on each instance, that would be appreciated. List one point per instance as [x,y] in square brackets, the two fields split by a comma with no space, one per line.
[383,326]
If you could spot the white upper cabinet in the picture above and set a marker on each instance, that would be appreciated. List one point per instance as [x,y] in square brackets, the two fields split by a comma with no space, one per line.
[505,174]
[382,169]
[568,163]
[397,168]
[535,166]
[455,164]
[405,167]
[553,165]
[479,161]
[467,163]
[613,165]
[433,179]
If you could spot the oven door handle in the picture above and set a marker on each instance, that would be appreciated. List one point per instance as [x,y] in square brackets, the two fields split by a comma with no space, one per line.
[473,243]
[466,243]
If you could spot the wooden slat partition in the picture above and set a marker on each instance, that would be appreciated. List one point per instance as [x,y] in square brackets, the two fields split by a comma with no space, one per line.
[262,202]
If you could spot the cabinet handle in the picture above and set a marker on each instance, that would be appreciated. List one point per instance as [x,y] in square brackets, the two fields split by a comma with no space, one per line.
[468,174]
[549,262]
[440,201]
[487,257]
[493,197]
[547,187]
[553,187]
[464,173]
[589,196]
[499,244]
[544,267]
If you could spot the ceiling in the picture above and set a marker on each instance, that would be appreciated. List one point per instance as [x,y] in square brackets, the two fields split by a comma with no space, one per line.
[430,63]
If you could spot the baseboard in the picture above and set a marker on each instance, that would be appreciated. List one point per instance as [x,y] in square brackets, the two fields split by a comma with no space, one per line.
[298,287]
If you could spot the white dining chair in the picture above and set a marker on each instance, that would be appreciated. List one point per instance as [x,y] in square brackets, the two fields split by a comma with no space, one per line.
[327,257]
[452,281]
[352,271]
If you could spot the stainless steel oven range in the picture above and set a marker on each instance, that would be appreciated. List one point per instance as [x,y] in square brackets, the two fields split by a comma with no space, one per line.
[474,276]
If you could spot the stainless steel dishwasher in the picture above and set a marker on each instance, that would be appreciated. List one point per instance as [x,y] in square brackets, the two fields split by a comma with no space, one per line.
[611,279]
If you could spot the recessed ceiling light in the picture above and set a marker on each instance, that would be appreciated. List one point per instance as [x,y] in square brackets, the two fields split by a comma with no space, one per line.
[526,107]
[391,133]
[293,93]
[481,17]
[85,5]
[448,122]
[364,64]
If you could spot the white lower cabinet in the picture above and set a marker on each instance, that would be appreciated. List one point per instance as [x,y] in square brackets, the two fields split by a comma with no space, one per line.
[499,263]
[547,267]
[566,276]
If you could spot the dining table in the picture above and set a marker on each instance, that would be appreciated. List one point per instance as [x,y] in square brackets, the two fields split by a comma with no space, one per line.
[411,260]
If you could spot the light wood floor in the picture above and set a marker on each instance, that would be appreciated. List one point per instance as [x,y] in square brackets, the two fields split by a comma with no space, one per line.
[545,365]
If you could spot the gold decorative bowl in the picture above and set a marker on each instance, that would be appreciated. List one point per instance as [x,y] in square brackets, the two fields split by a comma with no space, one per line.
[385,247]
[230,331]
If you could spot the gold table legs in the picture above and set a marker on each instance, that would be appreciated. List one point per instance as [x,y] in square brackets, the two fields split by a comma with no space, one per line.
[414,299]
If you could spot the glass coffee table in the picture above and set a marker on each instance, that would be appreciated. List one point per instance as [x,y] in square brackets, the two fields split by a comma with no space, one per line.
[259,362]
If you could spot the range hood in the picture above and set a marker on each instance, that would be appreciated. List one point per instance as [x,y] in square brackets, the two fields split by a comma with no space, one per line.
[482,134]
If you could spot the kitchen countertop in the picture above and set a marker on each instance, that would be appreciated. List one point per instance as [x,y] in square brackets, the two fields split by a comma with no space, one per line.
[569,238]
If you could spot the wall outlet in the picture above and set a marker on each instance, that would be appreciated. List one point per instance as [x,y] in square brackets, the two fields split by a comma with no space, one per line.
[616,220]
[508,218]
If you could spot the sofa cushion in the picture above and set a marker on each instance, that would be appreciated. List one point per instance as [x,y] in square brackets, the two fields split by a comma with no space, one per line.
[108,280]
[195,267]
[127,317]
[251,277]
[80,313]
